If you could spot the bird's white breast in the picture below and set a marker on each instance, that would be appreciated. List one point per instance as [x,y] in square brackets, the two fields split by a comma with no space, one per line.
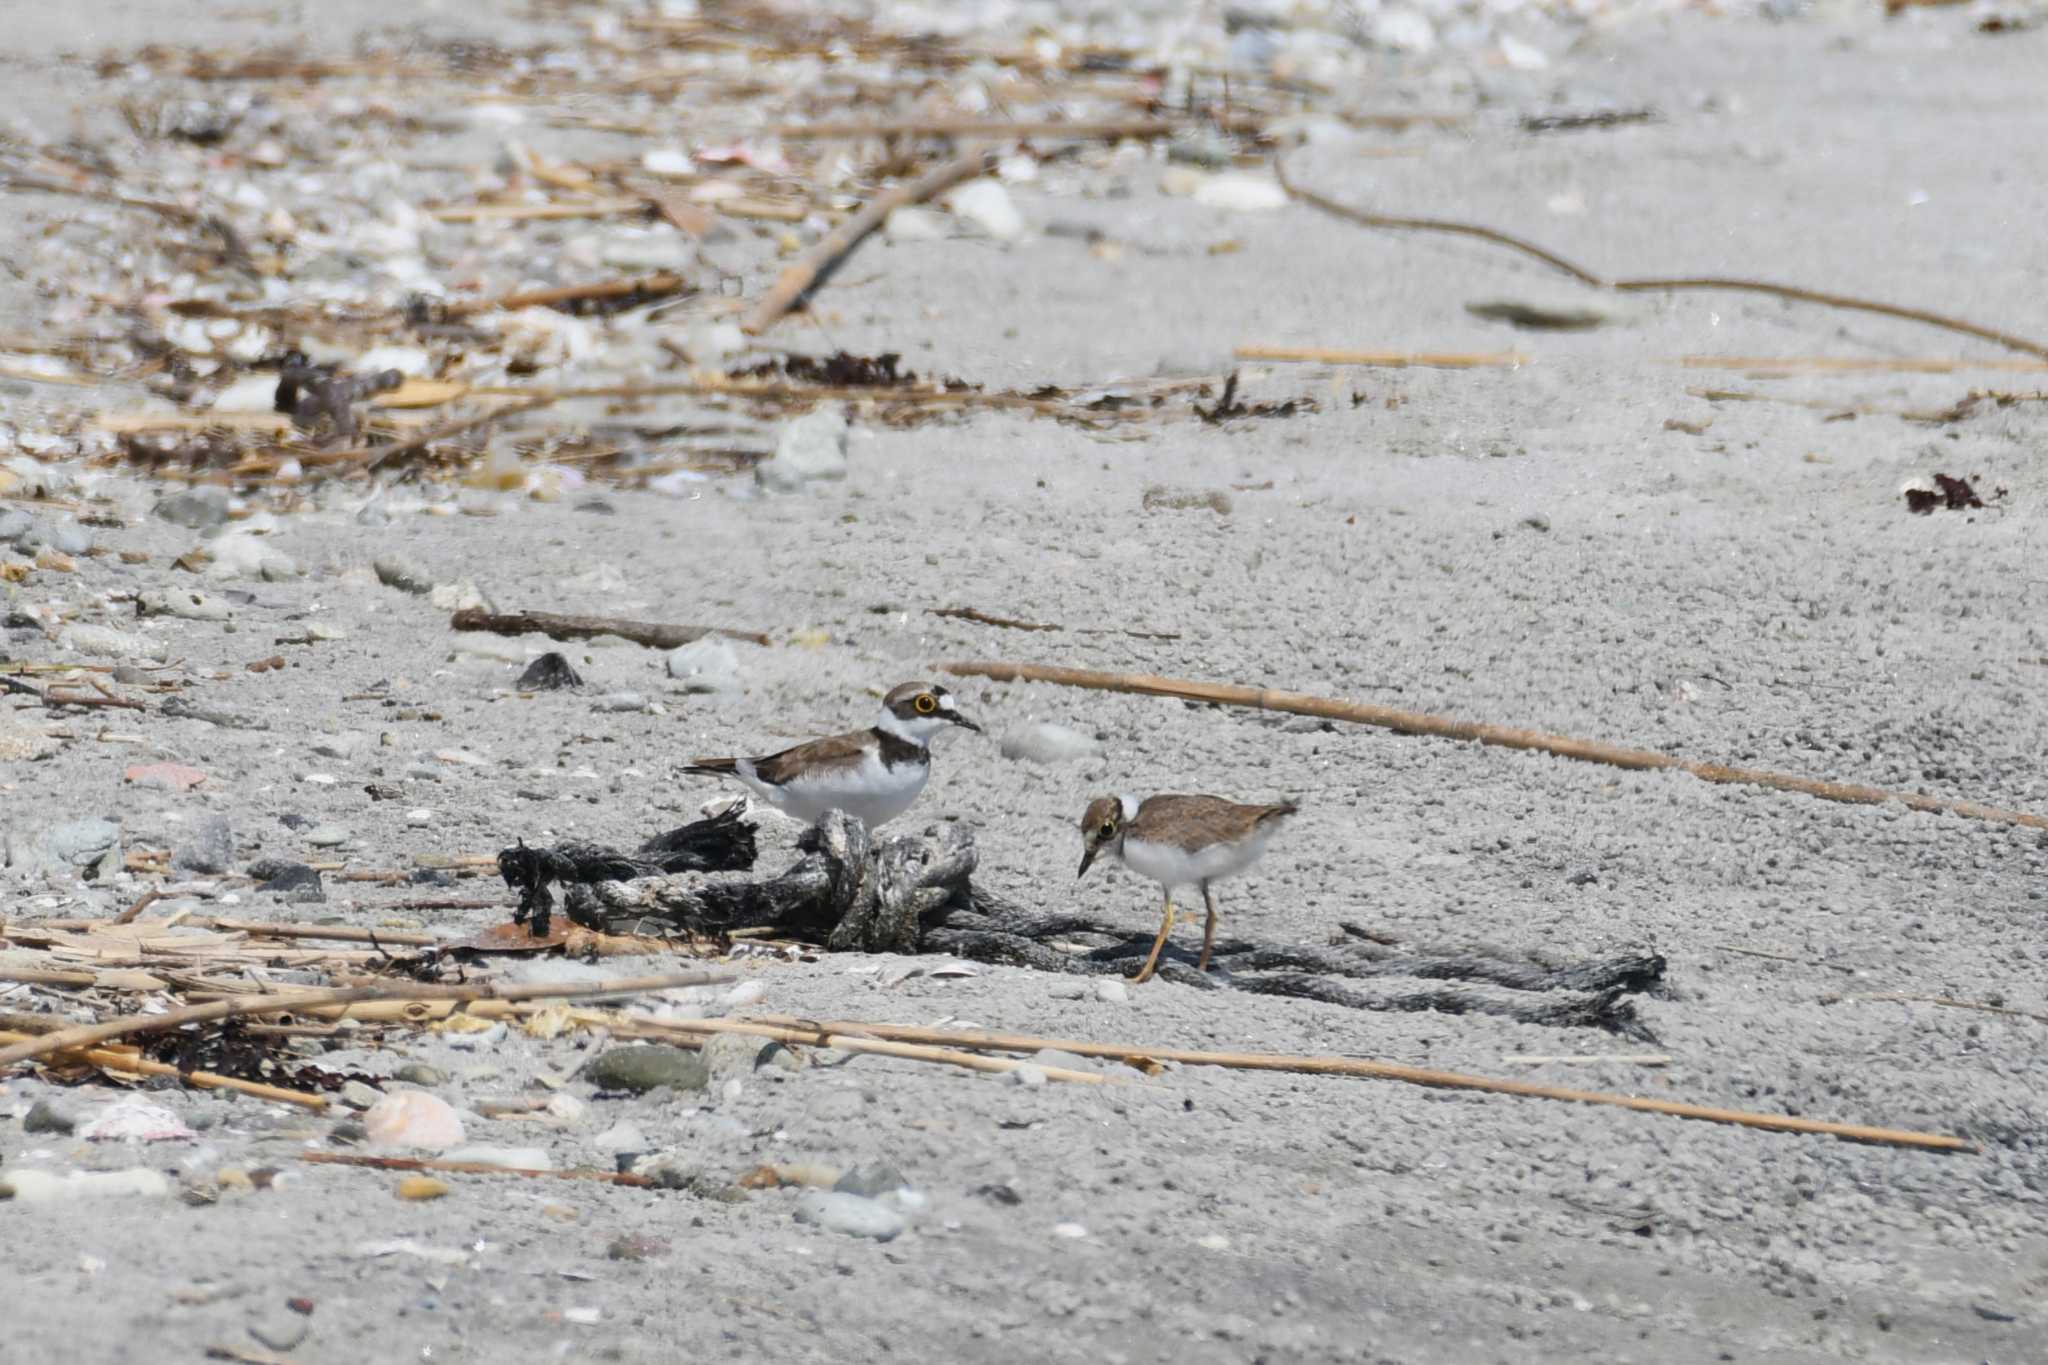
[1172,866]
[870,791]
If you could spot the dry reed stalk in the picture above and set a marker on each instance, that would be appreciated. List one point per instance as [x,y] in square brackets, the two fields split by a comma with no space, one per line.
[1389,1071]
[1389,360]
[414,1163]
[1481,732]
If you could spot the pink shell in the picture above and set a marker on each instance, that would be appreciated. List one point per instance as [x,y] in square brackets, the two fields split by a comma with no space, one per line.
[413,1118]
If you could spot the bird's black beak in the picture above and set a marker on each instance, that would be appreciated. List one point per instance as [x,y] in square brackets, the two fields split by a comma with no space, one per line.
[959,719]
[1087,857]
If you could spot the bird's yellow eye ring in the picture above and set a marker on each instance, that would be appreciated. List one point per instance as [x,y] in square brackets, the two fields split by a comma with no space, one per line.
[926,704]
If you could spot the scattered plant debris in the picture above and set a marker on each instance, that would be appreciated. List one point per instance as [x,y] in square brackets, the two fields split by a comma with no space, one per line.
[1576,122]
[1948,494]
[1227,407]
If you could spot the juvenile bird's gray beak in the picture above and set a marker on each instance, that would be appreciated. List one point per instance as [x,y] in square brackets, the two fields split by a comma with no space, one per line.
[1087,857]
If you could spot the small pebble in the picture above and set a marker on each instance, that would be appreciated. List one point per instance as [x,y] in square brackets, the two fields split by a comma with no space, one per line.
[850,1214]
[421,1187]
[43,1118]
[356,1095]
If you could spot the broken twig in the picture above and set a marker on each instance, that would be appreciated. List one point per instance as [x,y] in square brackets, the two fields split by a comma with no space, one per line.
[817,264]
[653,634]
[1664,285]
[1480,732]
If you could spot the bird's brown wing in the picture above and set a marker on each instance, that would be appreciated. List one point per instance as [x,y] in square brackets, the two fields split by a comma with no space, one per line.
[1192,822]
[834,751]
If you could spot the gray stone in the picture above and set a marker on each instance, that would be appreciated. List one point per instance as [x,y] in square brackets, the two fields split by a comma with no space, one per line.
[280,1329]
[729,1056]
[187,603]
[196,508]
[294,881]
[211,849]
[327,836]
[779,1058]
[68,537]
[811,448]
[89,846]
[619,701]
[42,1118]
[707,665]
[107,643]
[419,1073]
[14,524]
[357,1095]
[1044,742]
[1112,992]
[850,1214]
[622,1139]
[396,571]
[871,1180]
[1560,312]
[1027,1075]
[653,1067]
[1582,875]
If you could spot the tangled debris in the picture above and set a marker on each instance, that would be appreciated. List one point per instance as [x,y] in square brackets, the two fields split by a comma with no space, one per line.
[720,843]
[915,894]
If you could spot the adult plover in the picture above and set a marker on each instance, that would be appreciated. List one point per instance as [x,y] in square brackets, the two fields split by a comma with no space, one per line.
[872,775]
[1178,840]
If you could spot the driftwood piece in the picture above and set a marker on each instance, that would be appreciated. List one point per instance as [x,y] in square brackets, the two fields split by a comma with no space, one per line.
[721,843]
[915,894]
[653,634]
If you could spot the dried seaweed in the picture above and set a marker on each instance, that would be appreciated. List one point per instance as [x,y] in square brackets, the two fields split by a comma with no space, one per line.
[1948,494]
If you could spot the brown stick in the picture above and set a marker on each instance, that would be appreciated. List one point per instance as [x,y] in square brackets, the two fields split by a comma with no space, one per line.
[654,635]
[414,1163]
[1419,723]
[651,285]
[1946,1003]
[817,264]
[796,1031]
[502,213]
[1853,364]
[92,1034]
[1669,285]
[376,455]
[1390,1071]
[142,903]
[1389,360]
[998,129]
[114,1059]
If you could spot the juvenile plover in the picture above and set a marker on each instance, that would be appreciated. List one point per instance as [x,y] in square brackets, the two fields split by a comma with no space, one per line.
[872,775]
[1178,841]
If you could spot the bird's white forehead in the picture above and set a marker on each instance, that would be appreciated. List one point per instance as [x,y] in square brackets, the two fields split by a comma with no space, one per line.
[1130,805]
[946,700]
